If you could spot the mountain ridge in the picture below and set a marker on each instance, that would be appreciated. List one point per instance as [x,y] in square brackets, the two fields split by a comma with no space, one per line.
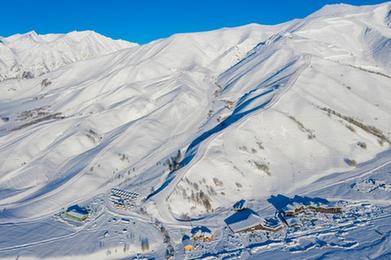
[29,55]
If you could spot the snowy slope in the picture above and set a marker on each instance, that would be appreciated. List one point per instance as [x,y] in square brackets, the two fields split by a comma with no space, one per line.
[133,102]
[302,105]
[193,123]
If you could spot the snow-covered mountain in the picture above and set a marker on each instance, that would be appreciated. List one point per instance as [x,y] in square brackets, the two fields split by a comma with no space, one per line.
[29,55]
[302,103]
[194,122]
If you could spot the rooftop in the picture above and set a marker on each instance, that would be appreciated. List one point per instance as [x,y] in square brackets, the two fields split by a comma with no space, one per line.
[241,204]
[244,219]
[77,209]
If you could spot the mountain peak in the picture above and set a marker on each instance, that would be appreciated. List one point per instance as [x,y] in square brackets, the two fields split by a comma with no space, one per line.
[342,9]
[25,51]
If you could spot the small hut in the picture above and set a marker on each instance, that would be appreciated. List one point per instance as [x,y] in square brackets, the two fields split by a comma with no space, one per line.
[77,213]
[240,205]
[201,233]
[187,244]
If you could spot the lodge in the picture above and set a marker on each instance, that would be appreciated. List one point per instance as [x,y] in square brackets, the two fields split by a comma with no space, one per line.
[187,243]
[247,220]
[297,208]
[201,233]
[77,213]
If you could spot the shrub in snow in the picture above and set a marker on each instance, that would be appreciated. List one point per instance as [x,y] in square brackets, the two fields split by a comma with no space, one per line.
[362,145]
[45,82]
[27,75]
[350,162]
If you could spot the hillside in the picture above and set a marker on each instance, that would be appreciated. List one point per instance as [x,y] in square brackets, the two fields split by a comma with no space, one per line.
[194,123]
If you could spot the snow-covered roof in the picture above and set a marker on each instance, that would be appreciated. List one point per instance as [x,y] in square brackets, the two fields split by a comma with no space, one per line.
[294,206]
[292,221]
[201,230]
[241,204]
[125,220]
[272,222]
[186,240]
[242,220]
[77,210]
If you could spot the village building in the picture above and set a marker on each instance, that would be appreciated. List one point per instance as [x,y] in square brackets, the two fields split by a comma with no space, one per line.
[201,233]
[330,210]
[77,213]
[292,222]
[125,221]
[272,224]
[240,205]
[296,208]
[247,220]
[187,243]
[122,199]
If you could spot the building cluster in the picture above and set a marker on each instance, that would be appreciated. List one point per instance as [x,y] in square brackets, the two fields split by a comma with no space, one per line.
[242,220]
[297,208]
[199,233]
[246,220]
[289,214]
[123,199]
[76,213]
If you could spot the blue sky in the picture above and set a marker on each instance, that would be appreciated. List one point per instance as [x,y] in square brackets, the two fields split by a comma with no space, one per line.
[145,20]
